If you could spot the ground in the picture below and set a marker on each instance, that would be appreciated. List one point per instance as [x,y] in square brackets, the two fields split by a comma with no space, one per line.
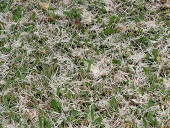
[84,64]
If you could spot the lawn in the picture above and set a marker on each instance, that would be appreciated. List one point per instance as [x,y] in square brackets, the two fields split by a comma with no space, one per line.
[84,64]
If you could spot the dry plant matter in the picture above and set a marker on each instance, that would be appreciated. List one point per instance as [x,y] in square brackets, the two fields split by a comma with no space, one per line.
[84,64]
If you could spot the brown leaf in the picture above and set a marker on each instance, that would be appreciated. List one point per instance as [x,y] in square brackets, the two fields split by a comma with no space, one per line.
[163,1]
[53,1]
[167,6]
[77,22]
[127,125]
[45,6]
[167,122]
[134,102]
[49,18]
[84,87]
[119,29]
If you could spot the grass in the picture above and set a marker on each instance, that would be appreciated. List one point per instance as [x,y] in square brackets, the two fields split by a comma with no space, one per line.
[97,64]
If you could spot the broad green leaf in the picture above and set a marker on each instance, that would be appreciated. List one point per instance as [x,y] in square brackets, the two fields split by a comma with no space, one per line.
[141,90]
[47,123]
[141,16]
[17,35]
[151,103]
[118,19]
[146,70]
[18,14]
[114,103]
[98,120]
[149,44]
[2,6]
[56,105]
[144,122]
[40,122]
[112,20]
[156,37]
[89,65]
[33,16]
[155,53]
[58,91]
[117,62]
[92,113]
[19,74]
[147,56]
[7,84]
[142,7]
[168,35]
[109,31]
[5,100]
[74,113]
[69,14]
[12,115]
[143,39]
[9,4]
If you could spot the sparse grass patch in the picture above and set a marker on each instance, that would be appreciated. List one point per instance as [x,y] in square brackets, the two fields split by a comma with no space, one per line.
[99,64]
